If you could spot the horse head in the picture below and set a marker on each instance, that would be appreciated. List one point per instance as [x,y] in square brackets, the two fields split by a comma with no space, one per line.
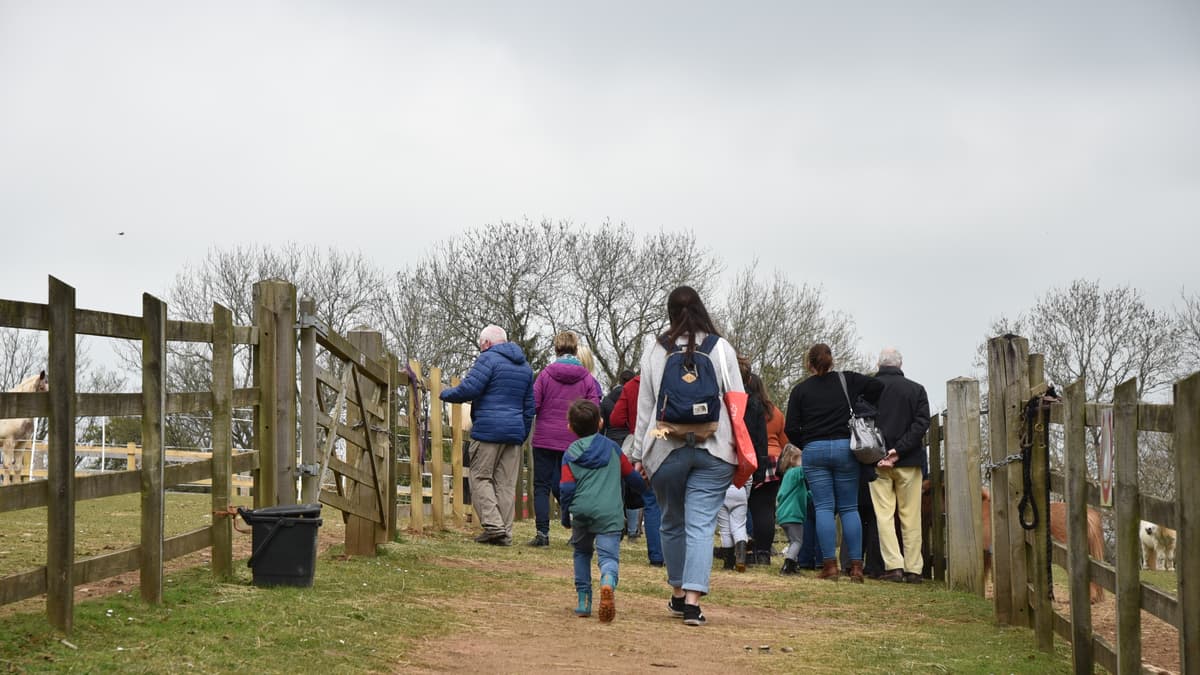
[33,383]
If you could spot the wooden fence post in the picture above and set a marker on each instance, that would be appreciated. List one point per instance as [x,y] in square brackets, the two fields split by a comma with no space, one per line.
[362,534]
[1078,564]
[964,569]
[525,472]
[1187,518]
[1008,387]
[416,499]
[222,440]
[275,376]
[1039,558]
[310,482]
[393,365]
[154,399]
[936,542]
[60,454]
[1129,515]
[437,449]
[458,507]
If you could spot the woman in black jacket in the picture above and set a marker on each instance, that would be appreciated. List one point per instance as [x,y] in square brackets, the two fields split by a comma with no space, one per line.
[818,414]
[765,485]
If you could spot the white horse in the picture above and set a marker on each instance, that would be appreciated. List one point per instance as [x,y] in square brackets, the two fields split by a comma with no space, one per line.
[13,430]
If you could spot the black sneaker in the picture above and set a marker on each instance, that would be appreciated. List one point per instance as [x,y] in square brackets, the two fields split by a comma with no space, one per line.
[540,540]
[692,616]
[676,605]
[657,563]
[486,537]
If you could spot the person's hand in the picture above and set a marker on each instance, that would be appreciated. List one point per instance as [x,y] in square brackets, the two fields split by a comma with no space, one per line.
[889,460]
[638,467]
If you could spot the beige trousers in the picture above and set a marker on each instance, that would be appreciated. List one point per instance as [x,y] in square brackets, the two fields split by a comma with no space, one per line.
[494,469]
[898,489]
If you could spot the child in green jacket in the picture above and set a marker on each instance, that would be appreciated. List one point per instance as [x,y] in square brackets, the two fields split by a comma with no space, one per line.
[791,503]
[593,469]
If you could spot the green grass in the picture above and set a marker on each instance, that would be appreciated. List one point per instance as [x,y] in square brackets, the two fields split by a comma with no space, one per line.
[370,614]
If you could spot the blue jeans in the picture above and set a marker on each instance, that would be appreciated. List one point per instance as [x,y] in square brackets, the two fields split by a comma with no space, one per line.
[651,524]
[832,474]
[547,471]
[690,487]
[633,519]
[608,549]
[810,551]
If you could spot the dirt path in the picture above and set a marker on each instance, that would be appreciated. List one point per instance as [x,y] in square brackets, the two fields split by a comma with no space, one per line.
[503,631]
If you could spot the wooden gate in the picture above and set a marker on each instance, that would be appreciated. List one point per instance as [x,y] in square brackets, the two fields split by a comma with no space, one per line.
[348,398]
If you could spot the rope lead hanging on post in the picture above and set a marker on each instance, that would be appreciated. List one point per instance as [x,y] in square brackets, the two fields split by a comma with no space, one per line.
[1028,414]
[1035,417]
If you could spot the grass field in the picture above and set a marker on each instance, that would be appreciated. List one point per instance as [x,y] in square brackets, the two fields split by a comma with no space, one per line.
[434,602]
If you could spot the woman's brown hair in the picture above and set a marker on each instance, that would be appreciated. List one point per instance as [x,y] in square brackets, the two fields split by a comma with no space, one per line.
[820,358]
[756,388]
[566,342]
[688,316]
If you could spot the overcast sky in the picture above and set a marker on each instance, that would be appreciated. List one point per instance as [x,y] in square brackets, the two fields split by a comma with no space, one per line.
[930,165]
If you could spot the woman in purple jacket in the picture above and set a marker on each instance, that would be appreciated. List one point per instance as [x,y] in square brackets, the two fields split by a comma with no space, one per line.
[555,389]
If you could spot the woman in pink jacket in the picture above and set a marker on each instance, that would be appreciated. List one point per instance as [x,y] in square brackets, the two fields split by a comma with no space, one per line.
[555,389]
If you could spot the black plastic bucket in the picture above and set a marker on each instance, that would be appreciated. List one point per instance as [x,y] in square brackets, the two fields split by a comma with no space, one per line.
[285,544]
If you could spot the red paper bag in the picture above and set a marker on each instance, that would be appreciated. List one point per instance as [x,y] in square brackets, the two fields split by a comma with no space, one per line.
[743,447]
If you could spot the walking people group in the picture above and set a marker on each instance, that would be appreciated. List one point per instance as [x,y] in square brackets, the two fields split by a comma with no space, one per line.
[666,434]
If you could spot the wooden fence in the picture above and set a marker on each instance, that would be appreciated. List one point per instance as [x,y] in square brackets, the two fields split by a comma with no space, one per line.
[367,482]
[61,405]
[131,454]
[1020,573]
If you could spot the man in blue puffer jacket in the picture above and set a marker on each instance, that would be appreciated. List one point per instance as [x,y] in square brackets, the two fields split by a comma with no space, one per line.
[500,389]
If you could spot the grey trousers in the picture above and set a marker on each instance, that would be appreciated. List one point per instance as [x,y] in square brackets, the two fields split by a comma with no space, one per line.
[494,469]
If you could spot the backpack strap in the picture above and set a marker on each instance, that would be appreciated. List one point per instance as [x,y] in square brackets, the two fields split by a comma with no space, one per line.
[706,346]
[721,356]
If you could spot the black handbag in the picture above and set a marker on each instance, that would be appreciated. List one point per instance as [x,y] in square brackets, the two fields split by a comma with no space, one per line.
[865,440]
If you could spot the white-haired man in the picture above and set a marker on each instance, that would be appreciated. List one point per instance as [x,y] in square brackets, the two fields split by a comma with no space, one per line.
[500,389]
[903,419]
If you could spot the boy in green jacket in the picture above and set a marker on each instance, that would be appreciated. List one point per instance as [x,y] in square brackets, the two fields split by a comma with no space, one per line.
[592,507]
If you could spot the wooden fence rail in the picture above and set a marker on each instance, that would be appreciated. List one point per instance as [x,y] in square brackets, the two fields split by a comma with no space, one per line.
[1020,574]
[62,406]
[365,422]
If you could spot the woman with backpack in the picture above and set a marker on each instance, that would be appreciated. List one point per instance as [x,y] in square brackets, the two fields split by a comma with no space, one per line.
[683,442]
[818,416]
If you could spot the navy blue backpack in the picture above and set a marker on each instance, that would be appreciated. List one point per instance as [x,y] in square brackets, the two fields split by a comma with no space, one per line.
[690,392]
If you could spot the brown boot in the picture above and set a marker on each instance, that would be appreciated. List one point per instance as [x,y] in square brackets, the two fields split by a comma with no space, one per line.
[856,571]
[829,570]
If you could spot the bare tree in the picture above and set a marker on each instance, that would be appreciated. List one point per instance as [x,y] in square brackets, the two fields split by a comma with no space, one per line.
[509,274]
[346,288]
[416,327]
[615,293]
[22,353]
[1189,327]
[774,322]
[1105,335]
